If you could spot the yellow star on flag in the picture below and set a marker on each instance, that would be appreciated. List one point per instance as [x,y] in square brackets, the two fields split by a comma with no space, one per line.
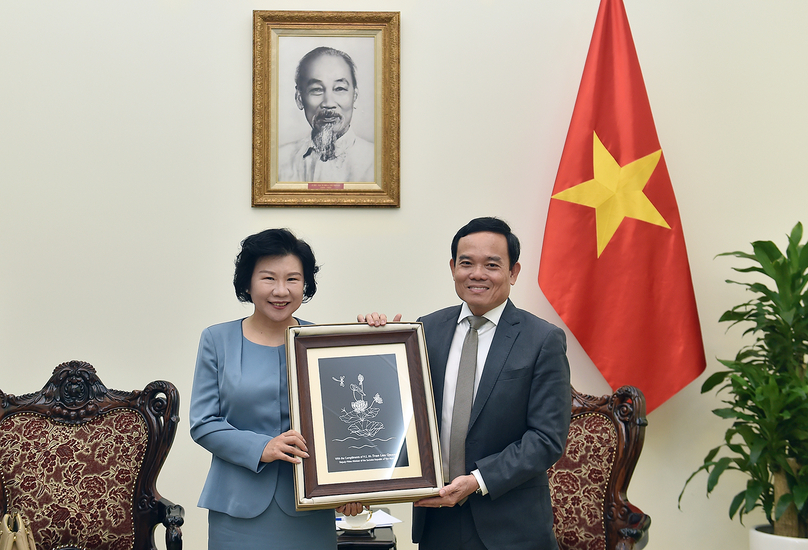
[616,192]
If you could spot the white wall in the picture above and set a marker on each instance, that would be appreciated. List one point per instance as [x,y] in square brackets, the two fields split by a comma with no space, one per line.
[125,162]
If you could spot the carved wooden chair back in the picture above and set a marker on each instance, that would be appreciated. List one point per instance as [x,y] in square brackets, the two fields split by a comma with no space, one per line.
[588,484]
[80,461]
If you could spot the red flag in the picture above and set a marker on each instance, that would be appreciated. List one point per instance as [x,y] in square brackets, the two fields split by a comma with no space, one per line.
[613,263]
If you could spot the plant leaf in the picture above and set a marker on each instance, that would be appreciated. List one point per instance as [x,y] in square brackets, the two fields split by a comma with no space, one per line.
[714,379]
[736,503]
[725,413]
[800,493]
[722,464]
[782,505]
[753,491]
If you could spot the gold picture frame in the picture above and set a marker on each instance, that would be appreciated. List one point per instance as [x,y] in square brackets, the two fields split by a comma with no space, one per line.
[362,399]
[349,157]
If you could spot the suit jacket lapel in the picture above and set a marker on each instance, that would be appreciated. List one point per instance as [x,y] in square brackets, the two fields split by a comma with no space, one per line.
[438,345]
[504,338]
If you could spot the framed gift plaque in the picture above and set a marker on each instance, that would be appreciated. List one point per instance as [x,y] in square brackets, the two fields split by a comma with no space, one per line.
[362,398]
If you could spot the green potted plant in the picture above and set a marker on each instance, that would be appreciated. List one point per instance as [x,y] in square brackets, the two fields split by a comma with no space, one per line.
[765,391]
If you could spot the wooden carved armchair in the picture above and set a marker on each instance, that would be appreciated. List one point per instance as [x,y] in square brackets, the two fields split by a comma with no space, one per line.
[588,484]
[80,461]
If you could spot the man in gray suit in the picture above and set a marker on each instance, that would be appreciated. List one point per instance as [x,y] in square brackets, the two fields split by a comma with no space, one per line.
[498,497]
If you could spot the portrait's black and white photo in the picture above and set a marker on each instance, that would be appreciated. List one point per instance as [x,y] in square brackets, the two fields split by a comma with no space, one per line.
[326,109]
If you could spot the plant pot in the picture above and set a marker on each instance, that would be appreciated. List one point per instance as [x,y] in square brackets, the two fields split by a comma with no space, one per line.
[761,538]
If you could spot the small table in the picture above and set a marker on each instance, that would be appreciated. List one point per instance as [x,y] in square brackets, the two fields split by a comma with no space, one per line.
[377,538]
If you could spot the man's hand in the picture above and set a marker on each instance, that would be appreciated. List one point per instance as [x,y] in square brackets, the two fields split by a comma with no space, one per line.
[376,319]
[351,509]
[460,488]
[288,446]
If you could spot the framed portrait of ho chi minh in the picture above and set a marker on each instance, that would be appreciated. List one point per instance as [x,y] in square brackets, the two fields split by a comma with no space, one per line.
[325,108]
[362,399]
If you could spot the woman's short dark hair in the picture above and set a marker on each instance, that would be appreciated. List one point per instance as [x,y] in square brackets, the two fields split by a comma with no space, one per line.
[492,225]
[273,242]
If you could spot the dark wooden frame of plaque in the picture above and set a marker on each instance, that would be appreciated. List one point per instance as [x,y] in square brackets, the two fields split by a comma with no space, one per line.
[377,491]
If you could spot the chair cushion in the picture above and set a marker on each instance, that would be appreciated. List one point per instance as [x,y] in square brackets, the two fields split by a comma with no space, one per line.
[579,483]
[74,482]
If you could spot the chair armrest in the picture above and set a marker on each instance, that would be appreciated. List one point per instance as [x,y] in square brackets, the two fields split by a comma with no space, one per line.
[172,516]
[635,536]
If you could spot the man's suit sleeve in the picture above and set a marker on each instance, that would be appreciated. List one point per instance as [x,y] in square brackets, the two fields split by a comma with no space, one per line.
[547,423]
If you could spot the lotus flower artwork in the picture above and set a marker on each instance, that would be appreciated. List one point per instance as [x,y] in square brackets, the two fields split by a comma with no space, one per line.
[359,418]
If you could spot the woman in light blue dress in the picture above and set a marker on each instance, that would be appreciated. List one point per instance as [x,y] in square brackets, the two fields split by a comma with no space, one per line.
[240,407]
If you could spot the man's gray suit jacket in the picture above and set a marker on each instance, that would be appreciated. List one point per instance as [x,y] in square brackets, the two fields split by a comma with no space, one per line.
[518,426]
